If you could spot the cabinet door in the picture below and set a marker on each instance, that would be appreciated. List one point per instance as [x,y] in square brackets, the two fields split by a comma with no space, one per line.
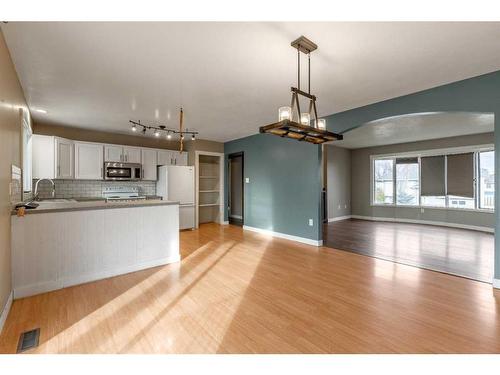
[113,153]
[64,158]
[88,161]
[164,157]
[182,158]
[149,163]
[132,154]
[43,155]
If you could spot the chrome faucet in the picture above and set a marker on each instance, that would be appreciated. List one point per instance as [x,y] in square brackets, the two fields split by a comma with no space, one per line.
[36,188]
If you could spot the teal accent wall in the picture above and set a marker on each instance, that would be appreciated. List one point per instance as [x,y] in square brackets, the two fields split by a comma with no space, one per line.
[478,94]
[285,184]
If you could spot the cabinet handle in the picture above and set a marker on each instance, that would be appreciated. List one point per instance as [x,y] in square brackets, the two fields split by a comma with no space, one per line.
[126,157]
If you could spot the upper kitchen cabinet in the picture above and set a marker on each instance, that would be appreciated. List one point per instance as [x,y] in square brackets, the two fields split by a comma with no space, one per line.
[88,161]
[164,157]
[149,164]
[179,158]
[132,154]
[169,157]
[64,158]
[113,153]
[52,157]
[122,154]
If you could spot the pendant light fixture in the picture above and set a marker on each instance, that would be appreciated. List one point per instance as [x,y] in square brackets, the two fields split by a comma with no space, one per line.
[157,130]
[292,123]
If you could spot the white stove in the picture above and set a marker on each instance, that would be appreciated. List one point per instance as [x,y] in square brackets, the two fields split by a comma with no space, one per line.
[122,194]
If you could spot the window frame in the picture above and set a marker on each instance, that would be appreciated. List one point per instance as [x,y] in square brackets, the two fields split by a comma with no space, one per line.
[27,159]
[476,149]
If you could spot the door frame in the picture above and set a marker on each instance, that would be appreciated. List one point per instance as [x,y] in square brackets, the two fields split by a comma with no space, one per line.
[222,177]
[229,157]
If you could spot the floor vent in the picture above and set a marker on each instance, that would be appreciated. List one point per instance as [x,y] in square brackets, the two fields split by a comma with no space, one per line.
[28,340]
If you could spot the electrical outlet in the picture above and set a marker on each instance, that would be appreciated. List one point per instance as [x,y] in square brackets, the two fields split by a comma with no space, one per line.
[311,222]
[247,180]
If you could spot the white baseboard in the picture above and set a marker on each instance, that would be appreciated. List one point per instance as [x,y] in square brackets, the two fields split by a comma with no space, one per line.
[332,219]
[426,222]
[225,222]
[31,290]
[285,236]
[6,310]
[496,283]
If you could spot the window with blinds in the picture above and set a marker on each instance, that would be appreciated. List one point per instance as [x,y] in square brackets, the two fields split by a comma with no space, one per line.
[456,180]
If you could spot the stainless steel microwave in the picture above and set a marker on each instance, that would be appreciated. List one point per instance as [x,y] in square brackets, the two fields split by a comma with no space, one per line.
[122,171]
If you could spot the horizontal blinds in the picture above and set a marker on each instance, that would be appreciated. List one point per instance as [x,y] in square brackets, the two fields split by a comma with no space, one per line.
[432,176]
[460,175]
[407,161]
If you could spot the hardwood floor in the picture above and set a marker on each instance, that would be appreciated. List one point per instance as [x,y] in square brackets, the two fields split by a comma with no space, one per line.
[242,292]
[461,252]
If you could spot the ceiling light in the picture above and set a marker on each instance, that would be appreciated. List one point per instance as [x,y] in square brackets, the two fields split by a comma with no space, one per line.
[305,118]
[298,125]
[41,110]
[322,124]
[285,113]
[193,137]
[157,133]
[169,136]
[134,128]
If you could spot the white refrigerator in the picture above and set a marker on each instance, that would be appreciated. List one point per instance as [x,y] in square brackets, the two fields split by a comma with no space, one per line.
[176,183]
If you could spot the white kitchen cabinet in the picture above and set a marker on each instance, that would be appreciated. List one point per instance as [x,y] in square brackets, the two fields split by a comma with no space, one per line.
[122,154]
[132,154]
[178,158]
[164,157]
[52,157]
[149,164]
[64,158]
[43,154]
[88,161]
[113,153]
[181,158]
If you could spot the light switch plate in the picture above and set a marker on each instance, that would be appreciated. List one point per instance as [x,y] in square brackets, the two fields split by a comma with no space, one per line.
[247,180]
[311,222]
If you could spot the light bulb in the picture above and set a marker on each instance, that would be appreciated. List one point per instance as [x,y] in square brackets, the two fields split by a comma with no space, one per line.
[157,133]
[169,136]
[193,137]
[322,124]
[134,128]
[305,118]
[284,113]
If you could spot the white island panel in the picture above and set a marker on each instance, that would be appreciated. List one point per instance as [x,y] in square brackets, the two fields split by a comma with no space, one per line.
[55,250]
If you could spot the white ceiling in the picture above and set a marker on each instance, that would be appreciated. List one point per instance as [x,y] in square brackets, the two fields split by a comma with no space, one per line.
[232,77]
[417,127]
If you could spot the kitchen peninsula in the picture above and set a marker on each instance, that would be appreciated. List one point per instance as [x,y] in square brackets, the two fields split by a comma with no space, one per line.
[65,243]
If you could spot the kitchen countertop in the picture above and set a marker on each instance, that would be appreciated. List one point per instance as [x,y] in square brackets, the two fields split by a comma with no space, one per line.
[47,206]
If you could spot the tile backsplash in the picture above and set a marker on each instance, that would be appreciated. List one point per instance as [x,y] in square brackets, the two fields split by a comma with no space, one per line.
[89,188]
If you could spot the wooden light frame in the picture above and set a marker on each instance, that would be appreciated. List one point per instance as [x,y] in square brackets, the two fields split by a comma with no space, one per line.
[293,129]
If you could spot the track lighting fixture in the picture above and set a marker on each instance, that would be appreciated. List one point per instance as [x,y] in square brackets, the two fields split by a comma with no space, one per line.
[157,130]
